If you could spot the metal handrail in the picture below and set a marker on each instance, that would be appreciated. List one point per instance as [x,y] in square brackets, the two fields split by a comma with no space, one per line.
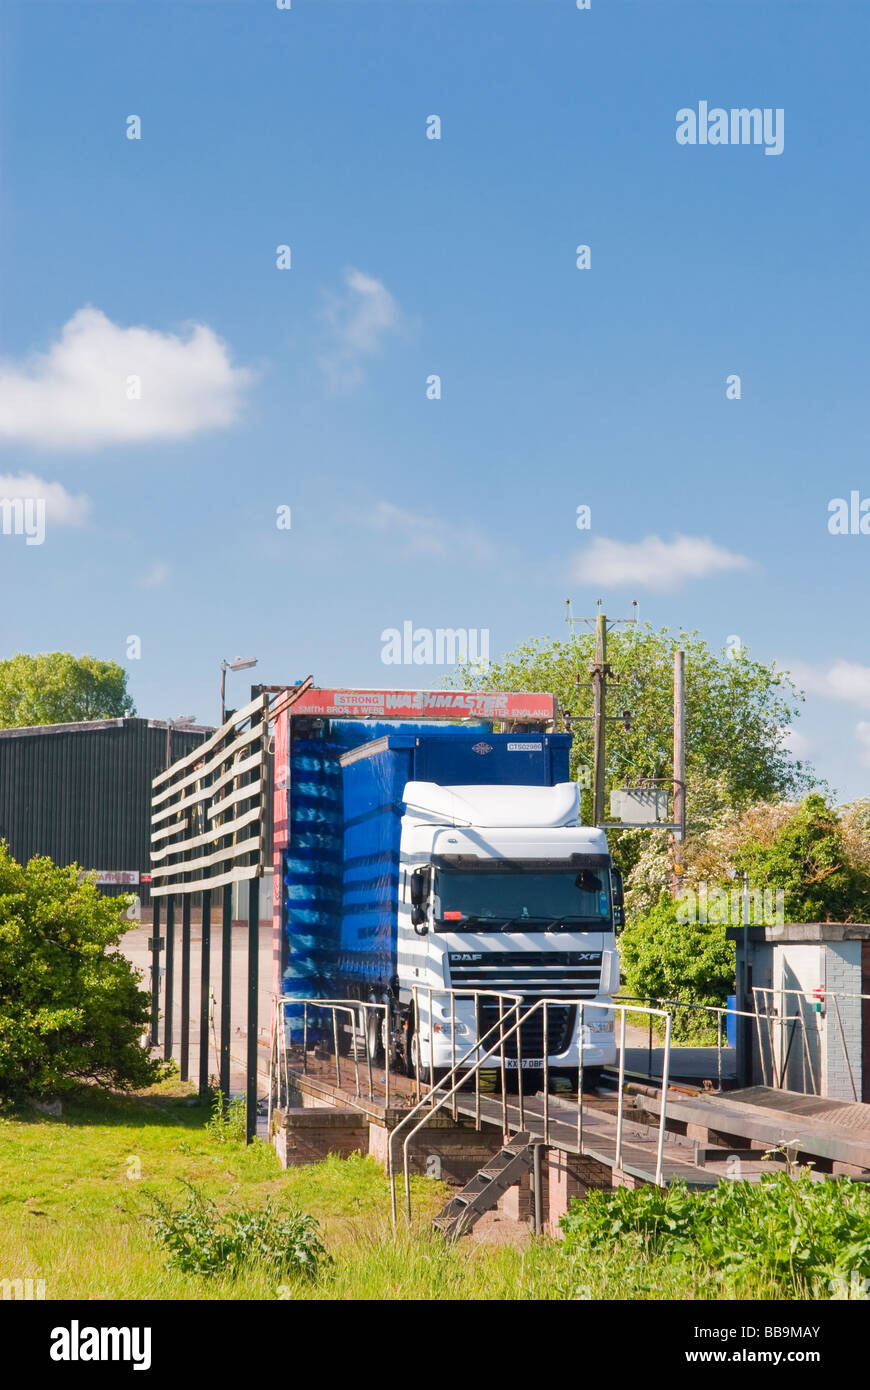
[720,1010]
[433,1108]
[351,1007]
[426,1100]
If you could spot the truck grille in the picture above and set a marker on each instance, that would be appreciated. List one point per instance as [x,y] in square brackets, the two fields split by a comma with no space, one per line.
[575,973]
[560,1027]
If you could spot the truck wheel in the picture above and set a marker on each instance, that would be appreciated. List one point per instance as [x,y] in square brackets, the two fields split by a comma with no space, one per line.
[375,1034]
[423,1074]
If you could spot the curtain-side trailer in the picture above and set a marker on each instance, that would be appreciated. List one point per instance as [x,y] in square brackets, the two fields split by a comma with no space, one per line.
[452,858]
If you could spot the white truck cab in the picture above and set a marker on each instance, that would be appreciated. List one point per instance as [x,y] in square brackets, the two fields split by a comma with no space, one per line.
[501,888]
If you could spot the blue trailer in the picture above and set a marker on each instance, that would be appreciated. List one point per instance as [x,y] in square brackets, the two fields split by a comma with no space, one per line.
[447,858]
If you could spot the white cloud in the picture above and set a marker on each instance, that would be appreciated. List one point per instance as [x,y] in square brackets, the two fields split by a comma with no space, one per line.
[357,323]
[77,395]
[61,507]
[796,742]
[842,680]
[155,576]
[430,535]
[653,563]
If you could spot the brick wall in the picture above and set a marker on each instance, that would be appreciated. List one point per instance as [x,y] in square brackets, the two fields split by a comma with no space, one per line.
[306,1135]
[446,1150]
[842,975]
[569,1176]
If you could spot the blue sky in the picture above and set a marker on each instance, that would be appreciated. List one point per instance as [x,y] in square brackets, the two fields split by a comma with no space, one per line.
[410,257]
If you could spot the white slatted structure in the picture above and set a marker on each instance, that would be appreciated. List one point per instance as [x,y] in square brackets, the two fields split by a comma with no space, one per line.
[208,810]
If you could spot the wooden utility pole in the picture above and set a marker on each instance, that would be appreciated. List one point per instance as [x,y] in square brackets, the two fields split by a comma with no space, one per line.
[599,715]
[599,673]
[679,763]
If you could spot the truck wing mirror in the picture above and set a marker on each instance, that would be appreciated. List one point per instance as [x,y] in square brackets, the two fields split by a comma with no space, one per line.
[618,890]
[420,884]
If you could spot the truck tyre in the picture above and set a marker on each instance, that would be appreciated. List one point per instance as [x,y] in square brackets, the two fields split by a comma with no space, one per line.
[422,1074]
[374,1033]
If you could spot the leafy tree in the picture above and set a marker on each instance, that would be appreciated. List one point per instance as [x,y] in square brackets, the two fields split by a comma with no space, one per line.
[666,959]
[810,858]
[737,709]
[59,688]
[71,1006]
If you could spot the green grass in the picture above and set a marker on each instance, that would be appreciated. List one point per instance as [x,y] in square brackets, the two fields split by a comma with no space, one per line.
[75,1190]
[76,1200]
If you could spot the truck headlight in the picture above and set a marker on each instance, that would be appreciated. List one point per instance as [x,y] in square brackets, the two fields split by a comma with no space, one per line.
[446,1028]
[601,1027]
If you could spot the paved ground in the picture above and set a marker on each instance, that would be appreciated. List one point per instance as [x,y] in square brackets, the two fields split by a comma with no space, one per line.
[135,947]
[687,1063]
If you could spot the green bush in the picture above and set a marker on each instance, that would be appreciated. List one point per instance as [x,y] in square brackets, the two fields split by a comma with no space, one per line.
[71,1006]
[796,1235]
[202,1240]
[809,860]
[666,959]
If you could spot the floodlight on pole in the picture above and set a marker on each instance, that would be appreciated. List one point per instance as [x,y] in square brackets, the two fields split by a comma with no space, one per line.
[241,663]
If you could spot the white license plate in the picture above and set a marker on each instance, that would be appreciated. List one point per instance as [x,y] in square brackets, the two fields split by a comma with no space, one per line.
[532,1063]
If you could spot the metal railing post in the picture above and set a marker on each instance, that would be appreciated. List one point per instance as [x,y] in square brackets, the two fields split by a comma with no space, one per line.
[431,1044]
[364,1025]
[719,1048]
[546,1073]
[305,1038]
[582,1041]
[503,1066]
[666,1072]
[334,1013]
[418,1093]
[387,1057]
[621,1086]
[476,1098]
[284,1056]
[453,1043]
[520,1071]
[353,1018]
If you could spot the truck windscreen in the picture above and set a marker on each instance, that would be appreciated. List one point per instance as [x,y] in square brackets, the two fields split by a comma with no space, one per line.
[535,901]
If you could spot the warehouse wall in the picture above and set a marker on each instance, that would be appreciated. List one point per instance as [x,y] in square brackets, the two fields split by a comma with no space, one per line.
[80,793]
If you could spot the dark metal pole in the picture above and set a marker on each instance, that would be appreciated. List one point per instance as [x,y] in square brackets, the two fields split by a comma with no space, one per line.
[168,1000]
[226,986]
[155,973]
[745,1000]
[185,987]
[253,981]
[599,715]
[539,1189]
[679,766]
[204,992]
